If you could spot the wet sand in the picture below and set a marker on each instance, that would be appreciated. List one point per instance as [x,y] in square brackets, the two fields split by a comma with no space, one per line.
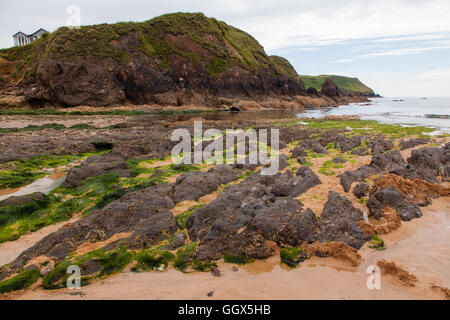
[22,121]
[10,250]
[421,246]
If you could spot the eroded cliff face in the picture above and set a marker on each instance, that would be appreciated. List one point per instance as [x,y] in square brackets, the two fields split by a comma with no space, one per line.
[141,81]
[175,59]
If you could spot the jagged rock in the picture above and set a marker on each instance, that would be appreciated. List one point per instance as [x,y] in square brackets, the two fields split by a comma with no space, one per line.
[317,148]
[301,160]
[380,162]
[90,267]
[176,242]
[385,161]
[360,190]
[282,145]
[283,161]
[380,145]
[298,151]
[390,197]
[411,143]
[95,166]
[329,88]
[339,222]
[348,177]
[36,196]
[144,212]
[193,185]
[225,173]
[312,91]
[360,152]
[346,144]
[247,217]
[339,160]
[289,185]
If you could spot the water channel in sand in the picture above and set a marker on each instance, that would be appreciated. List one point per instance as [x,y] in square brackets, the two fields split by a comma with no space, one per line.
[44,185]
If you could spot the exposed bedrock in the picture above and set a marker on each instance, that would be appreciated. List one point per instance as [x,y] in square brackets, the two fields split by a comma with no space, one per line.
[339,222]
[95,166]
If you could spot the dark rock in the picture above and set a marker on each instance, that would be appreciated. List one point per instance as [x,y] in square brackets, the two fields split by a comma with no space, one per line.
[409,212]
[90,267]
[193,185]
[312,91]
[390,197]
[329,88]
[283,161]
[360,174]
[176,242]
[360,152]
[298,151]
[144,212]
[317,148]
[301,160]
[411,143]
[95,166]
[339,160]
[60,251]
[225,173]
[360,190]
[37,196]
[339,222]
[282,145]
[346,144]
[380,162]
[380,145]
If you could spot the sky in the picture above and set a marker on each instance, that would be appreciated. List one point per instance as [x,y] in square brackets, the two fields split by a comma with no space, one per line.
[397,47]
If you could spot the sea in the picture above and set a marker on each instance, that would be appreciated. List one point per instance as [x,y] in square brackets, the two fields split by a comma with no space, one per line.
[430,112]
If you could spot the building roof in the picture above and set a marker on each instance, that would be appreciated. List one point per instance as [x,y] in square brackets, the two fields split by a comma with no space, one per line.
[29,35]
[20,32]
[40,29]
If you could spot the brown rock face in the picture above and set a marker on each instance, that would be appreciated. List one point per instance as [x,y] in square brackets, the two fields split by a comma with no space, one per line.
[329,88]
[141,81]
[174,59]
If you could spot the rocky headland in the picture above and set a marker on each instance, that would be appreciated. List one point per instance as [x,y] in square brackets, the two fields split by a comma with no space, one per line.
[177,60]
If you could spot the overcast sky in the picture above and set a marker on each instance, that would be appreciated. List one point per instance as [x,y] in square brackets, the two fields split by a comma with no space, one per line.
[397,47]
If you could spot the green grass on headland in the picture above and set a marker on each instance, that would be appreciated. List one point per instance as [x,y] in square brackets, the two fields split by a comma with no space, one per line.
[347,83]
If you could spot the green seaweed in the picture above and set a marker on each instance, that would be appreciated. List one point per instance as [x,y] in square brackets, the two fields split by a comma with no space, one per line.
[22,280]
[236,259]
[289,256]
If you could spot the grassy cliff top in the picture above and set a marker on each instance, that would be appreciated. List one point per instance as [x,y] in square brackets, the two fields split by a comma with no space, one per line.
[347,83]
[283,66]
[167,39]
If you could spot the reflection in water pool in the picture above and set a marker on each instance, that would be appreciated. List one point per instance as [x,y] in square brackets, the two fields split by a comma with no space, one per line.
[433,112]
[44,185]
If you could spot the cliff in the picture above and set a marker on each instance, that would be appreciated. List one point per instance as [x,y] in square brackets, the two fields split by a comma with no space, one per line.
[175,59]
[346,84]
